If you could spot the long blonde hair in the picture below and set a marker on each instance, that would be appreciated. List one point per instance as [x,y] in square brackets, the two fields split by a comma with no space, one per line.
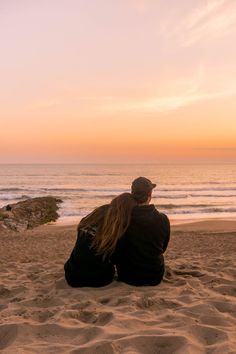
[111,221]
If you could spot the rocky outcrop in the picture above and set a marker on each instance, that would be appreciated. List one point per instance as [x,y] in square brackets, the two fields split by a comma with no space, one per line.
[29,213]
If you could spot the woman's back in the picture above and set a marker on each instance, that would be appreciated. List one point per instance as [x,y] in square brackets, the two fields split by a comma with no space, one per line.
[85,267]
[89,263]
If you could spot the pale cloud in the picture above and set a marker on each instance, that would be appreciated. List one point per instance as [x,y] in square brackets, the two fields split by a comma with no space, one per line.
[167,104]
[216,18]
[201,13]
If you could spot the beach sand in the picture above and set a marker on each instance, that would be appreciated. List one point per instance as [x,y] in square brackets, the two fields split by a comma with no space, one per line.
[192,311]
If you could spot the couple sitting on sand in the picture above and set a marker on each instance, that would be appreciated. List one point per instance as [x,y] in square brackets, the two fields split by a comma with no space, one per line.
[129,234]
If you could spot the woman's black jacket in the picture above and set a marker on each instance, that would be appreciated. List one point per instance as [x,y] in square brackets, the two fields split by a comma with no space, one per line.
[84,267]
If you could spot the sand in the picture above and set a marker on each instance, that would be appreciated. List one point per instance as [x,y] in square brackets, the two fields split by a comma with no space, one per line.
[192,311]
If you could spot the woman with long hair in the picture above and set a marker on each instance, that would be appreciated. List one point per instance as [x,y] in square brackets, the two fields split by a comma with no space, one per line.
[97,236]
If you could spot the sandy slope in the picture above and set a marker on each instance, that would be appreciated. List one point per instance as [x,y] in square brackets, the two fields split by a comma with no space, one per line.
[192,311]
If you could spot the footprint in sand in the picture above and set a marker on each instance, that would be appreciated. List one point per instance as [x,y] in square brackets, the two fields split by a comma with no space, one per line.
[215,320]
[4,292]
[101,319]
[40,316]
[8,334]
[62,284]
[225,307]
[89,317]
[208,335]
[226,290]
[100,348]
[189,273]
[146,302]
[81,305]
[139,344]
[118,301]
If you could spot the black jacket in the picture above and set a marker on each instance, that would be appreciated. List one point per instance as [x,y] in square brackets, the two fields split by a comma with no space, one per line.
[139,253]
[84,267]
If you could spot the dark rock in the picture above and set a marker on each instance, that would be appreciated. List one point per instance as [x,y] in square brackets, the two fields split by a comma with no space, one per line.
[29,213]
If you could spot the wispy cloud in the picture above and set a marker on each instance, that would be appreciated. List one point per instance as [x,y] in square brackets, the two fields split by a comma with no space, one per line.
[206,10]
[167,104]
[216,18]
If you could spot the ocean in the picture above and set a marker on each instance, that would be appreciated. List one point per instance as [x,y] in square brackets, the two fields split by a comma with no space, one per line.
[183,192]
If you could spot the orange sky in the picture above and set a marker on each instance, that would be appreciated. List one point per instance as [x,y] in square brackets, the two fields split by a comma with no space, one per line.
[117,81]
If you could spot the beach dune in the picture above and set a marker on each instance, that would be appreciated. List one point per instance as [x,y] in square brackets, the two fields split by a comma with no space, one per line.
[192,311]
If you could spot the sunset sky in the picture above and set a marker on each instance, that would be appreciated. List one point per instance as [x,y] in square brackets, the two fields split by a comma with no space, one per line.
[117,81]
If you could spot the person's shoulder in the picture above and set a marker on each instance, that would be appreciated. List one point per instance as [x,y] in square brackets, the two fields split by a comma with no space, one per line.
[163,218]
[87,231]
[84,238]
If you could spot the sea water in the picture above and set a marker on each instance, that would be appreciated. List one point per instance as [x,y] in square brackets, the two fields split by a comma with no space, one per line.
[183,192]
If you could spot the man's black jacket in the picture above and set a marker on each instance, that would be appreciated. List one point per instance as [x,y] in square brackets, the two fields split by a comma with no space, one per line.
[139,253]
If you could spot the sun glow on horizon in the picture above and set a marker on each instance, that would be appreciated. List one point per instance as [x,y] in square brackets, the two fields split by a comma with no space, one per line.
[84,88]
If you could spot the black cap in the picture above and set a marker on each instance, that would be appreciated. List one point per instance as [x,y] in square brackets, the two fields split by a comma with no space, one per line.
[142,184]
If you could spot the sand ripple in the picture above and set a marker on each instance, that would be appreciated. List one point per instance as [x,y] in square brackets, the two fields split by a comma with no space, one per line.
[193,311]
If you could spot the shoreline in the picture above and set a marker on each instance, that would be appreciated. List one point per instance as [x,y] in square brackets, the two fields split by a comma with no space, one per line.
[185,225]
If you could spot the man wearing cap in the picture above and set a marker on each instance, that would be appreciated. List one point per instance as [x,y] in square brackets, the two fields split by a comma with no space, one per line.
[139,255]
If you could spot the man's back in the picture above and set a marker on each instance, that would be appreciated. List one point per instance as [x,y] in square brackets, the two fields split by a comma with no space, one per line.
[139,254]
